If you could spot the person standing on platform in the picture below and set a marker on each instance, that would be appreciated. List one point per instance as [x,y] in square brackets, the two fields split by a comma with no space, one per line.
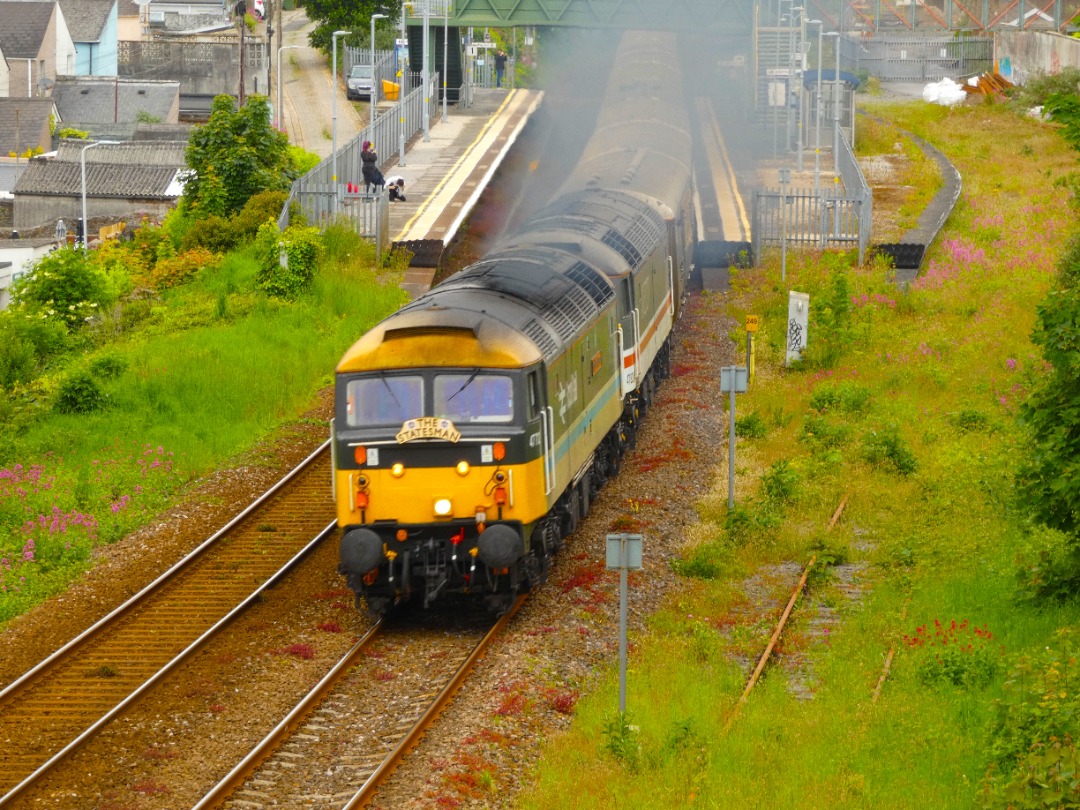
[369,160]
[500,67]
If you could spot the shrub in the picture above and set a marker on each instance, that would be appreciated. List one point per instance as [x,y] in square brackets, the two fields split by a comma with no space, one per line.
[108,366]
[176,270]
[80,393]
[63,285]
[954,653]
[210,232]
[845,396]
[821,431]
[751,426]
[703,562]
[1049,565]
[288,260]
[781,482]
[887,446]
[264,206]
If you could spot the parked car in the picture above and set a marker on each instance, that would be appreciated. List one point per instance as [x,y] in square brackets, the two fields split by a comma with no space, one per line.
[361,80]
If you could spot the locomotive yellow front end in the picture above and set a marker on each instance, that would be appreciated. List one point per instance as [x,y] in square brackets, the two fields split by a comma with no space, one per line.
[438,465]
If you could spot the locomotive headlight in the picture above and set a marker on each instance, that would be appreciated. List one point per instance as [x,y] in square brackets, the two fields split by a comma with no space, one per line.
[443,507]
[463,468]
[397,470]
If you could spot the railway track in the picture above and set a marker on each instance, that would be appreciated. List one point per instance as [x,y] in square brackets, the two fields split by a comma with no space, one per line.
[56,707]
[347,734]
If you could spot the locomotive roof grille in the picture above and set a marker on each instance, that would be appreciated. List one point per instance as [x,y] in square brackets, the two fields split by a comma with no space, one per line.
[623,246]
[535,331]
[570,312]
[592,282]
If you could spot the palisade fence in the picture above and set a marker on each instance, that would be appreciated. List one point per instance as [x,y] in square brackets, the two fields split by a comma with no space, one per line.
[922,57]
[322,201]
[838,217]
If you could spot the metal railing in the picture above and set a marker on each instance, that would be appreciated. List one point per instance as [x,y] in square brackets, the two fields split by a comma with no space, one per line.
[838,218]
[321,200]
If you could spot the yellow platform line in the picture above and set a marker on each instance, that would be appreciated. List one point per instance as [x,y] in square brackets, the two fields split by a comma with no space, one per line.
[466,155]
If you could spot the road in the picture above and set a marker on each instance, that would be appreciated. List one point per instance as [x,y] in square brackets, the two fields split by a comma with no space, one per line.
[307,92]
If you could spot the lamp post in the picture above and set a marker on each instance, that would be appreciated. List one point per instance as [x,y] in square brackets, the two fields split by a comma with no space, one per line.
[836,100]
[373,96]
[426,117]
[279,119]
[785,180]
[82,166]
[445,48]
[333,129]
[817,112]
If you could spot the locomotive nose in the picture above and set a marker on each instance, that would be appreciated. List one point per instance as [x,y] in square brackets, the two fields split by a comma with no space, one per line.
[500,546]
[361,550]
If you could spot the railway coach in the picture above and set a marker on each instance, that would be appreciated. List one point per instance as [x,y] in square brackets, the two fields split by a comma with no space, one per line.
[474,427]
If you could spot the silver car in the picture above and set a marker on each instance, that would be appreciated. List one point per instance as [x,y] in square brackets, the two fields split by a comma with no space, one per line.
[361,80]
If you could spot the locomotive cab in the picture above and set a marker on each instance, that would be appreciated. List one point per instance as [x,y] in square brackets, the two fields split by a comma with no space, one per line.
[432,475]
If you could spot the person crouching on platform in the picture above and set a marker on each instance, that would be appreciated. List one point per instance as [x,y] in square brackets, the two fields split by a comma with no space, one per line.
[395,188]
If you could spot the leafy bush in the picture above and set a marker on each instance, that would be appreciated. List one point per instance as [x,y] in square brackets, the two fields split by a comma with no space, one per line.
[703,562]
[179,269]
[287,261]
[64,285]
[210,232]
[751,426]
[621,740]
[822,432]
[80,393]
[1049,565]
[1037,89]
[781,482]
[26,344]
[845,396]
[263,207]
[887,446]
[1037,719]
[108,366]
[954,653]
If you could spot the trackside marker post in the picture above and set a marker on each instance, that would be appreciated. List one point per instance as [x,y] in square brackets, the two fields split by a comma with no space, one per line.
[733,380]
[624,554]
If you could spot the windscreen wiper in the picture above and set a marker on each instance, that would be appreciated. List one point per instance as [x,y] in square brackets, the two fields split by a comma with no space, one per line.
[467,383]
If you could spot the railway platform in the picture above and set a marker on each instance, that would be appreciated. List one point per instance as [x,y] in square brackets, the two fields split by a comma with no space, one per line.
[445,176]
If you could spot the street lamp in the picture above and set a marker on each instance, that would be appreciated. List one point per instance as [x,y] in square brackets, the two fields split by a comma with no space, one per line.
[426,117]
[82,166]
[333,133]
[279,119]
[817,111]
[374,17]
[836,101]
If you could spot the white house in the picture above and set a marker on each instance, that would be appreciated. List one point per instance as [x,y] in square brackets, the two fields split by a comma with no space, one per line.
[17,258]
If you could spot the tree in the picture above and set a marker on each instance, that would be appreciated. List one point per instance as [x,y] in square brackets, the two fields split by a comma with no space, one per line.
[1050,478]
[234,156]
[343,15]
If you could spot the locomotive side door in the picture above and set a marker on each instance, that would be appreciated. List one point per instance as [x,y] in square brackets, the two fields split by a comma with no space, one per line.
[541,424]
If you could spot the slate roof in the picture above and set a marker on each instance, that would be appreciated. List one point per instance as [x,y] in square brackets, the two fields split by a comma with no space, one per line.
[128,8]
[86,18]
[147,171]
[33,121]
[98,99]
[132,153]
[25,24]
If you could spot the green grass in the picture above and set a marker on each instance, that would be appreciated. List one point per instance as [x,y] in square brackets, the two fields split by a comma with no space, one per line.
[206,372]
[915,419]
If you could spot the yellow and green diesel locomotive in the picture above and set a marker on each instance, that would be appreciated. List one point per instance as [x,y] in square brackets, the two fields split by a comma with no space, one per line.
[474,427]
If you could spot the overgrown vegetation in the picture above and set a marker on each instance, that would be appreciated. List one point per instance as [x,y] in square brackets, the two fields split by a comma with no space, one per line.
[946,414]
[130,370]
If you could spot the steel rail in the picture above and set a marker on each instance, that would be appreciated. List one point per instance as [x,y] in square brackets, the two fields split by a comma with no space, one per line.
[764,659]
[366,792]
[196,645]
[249,764]
[151,589]
[134,601]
